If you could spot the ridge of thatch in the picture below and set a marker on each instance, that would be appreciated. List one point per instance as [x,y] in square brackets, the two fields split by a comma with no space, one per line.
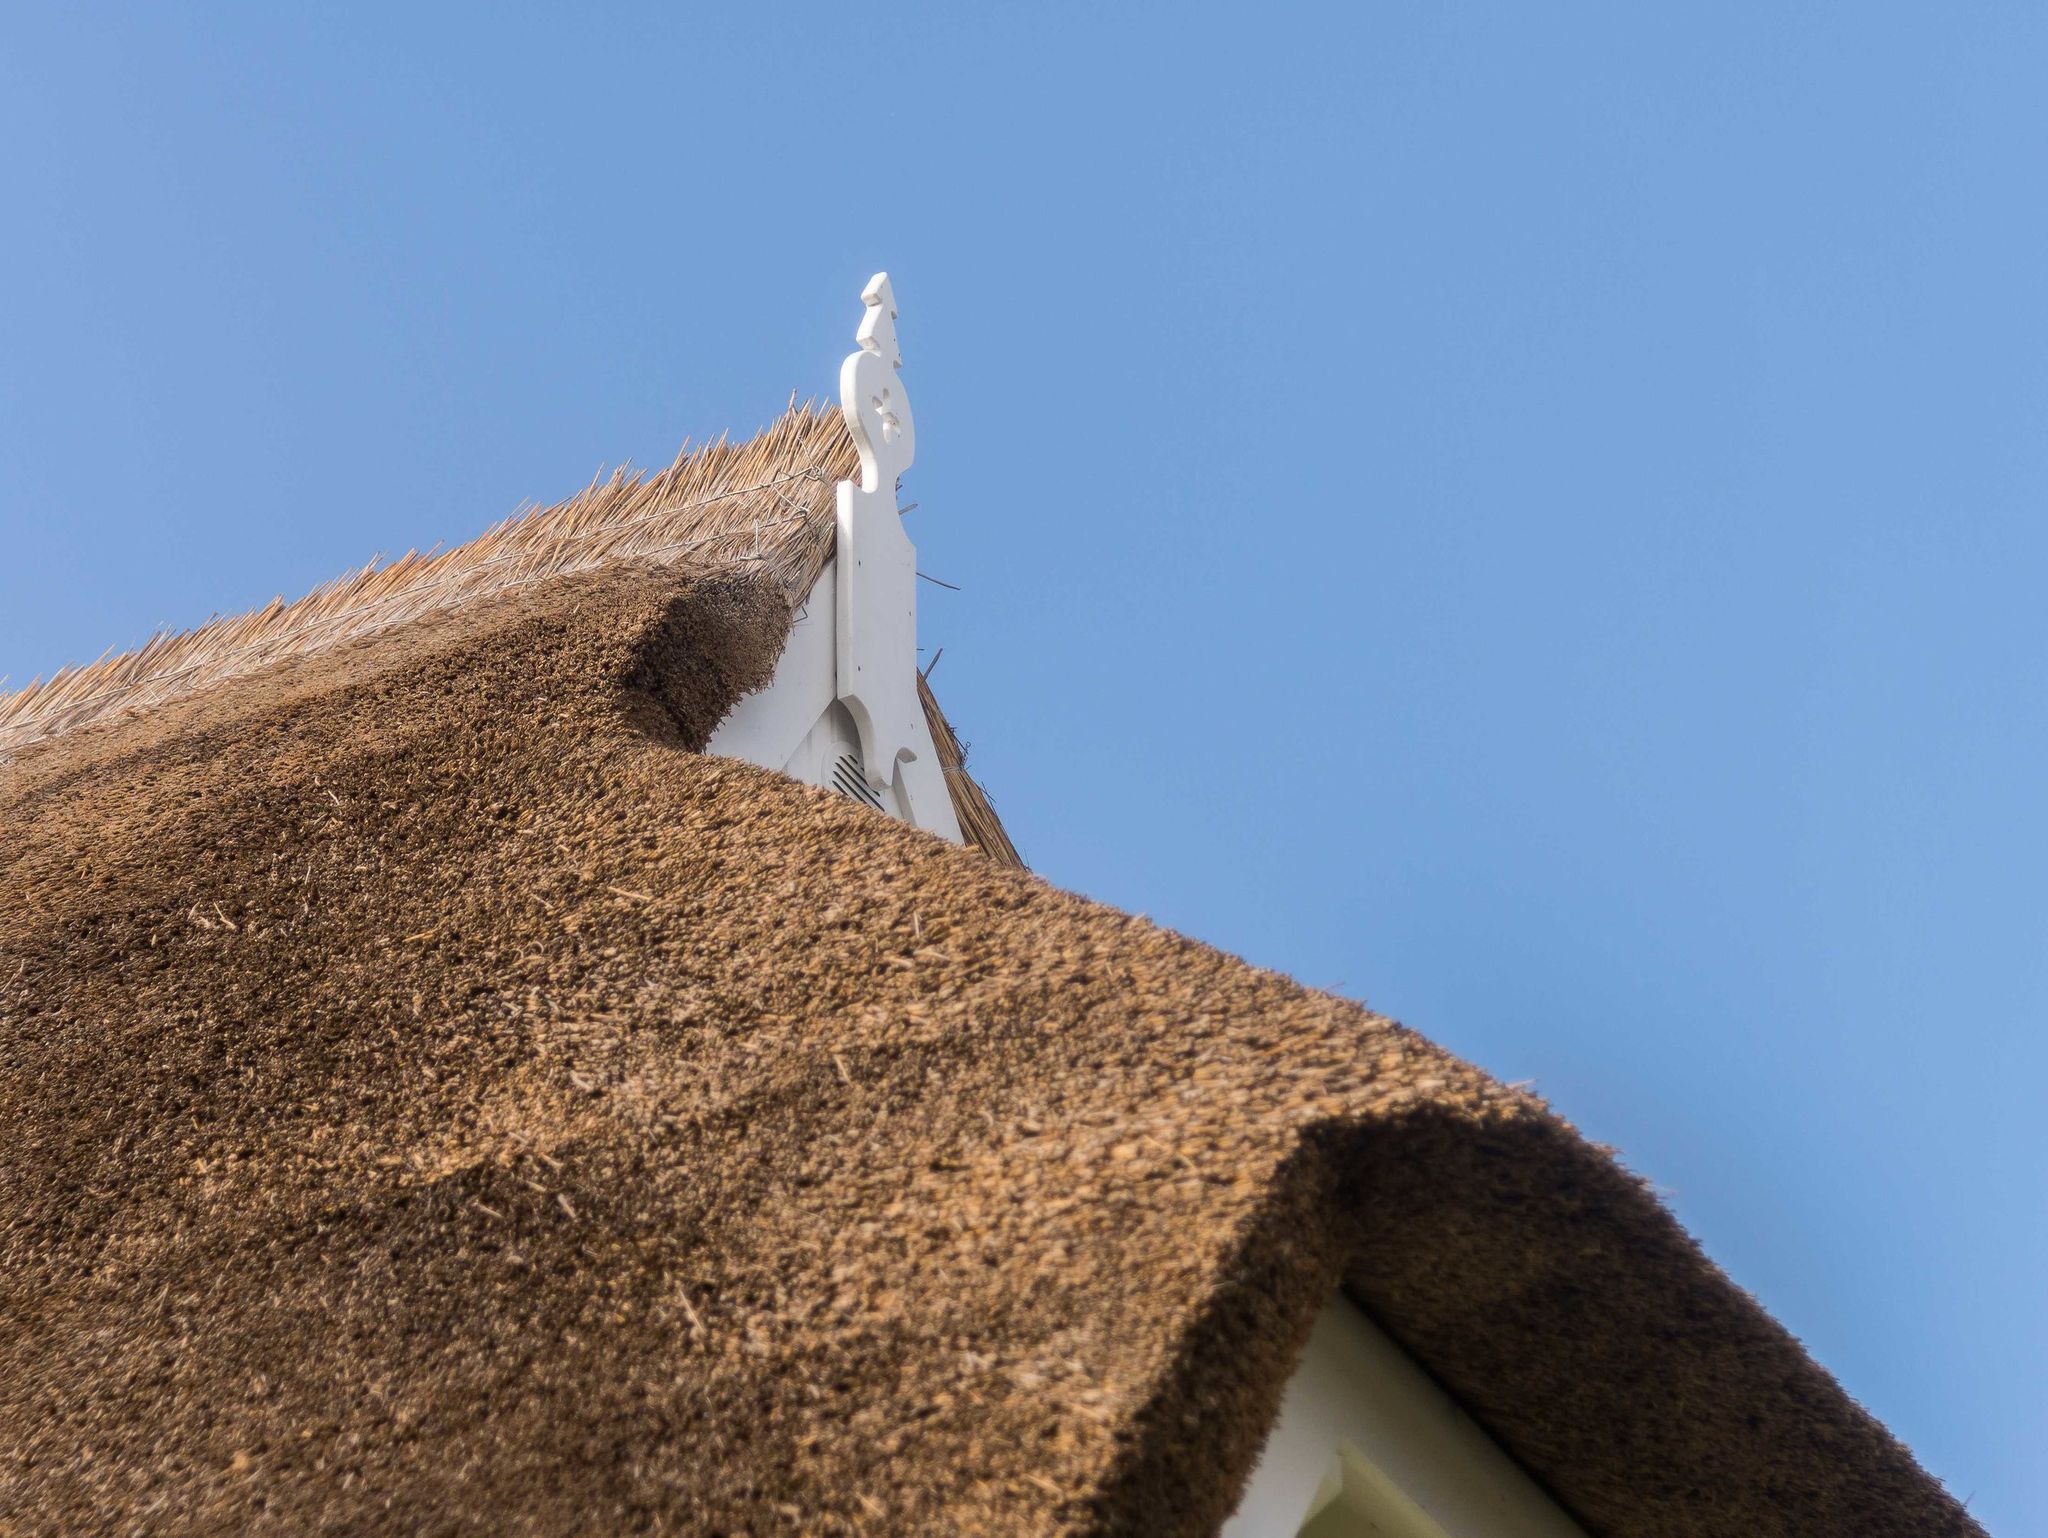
[766,502]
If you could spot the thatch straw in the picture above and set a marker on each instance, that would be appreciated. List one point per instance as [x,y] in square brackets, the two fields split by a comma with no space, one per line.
[765,503]
[971,805]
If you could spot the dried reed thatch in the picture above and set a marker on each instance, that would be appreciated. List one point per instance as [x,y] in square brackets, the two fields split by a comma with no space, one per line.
[764,503]
[978,820]
[439,1100]
[764,506]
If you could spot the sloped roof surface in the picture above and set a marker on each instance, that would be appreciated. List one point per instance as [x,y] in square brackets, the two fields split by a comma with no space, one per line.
[763,505]
[442,1101]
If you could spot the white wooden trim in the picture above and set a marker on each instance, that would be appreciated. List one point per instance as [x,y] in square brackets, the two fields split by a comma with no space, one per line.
[877,614]
[844,695]
[1367,1443]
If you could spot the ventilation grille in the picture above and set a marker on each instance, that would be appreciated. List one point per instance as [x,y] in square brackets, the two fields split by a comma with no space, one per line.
[850,779]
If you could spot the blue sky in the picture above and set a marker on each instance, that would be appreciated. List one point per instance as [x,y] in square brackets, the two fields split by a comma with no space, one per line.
[1530,516]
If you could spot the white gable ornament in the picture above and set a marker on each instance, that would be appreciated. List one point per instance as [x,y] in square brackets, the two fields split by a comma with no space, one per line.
[843,708]
[877,564]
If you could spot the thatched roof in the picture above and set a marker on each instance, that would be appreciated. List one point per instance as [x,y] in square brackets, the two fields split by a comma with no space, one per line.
[441,1100]
[763,507]
[764,503]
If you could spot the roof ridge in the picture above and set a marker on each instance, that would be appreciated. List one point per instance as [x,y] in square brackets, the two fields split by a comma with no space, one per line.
[711,500]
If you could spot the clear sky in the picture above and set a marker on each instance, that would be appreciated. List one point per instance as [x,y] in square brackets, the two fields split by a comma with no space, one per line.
[1531,516]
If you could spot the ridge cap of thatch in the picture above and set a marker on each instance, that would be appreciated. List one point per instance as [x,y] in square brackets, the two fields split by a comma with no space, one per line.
[764,503]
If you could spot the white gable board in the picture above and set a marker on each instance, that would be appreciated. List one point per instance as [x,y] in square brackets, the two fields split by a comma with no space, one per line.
[842,710]
[1367,1444]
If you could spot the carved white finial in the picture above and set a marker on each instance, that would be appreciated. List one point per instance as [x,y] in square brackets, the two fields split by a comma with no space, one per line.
[852,653]
[871,393]
[877,570]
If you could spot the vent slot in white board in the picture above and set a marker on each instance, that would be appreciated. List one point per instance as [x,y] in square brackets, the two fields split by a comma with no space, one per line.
[849,778]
